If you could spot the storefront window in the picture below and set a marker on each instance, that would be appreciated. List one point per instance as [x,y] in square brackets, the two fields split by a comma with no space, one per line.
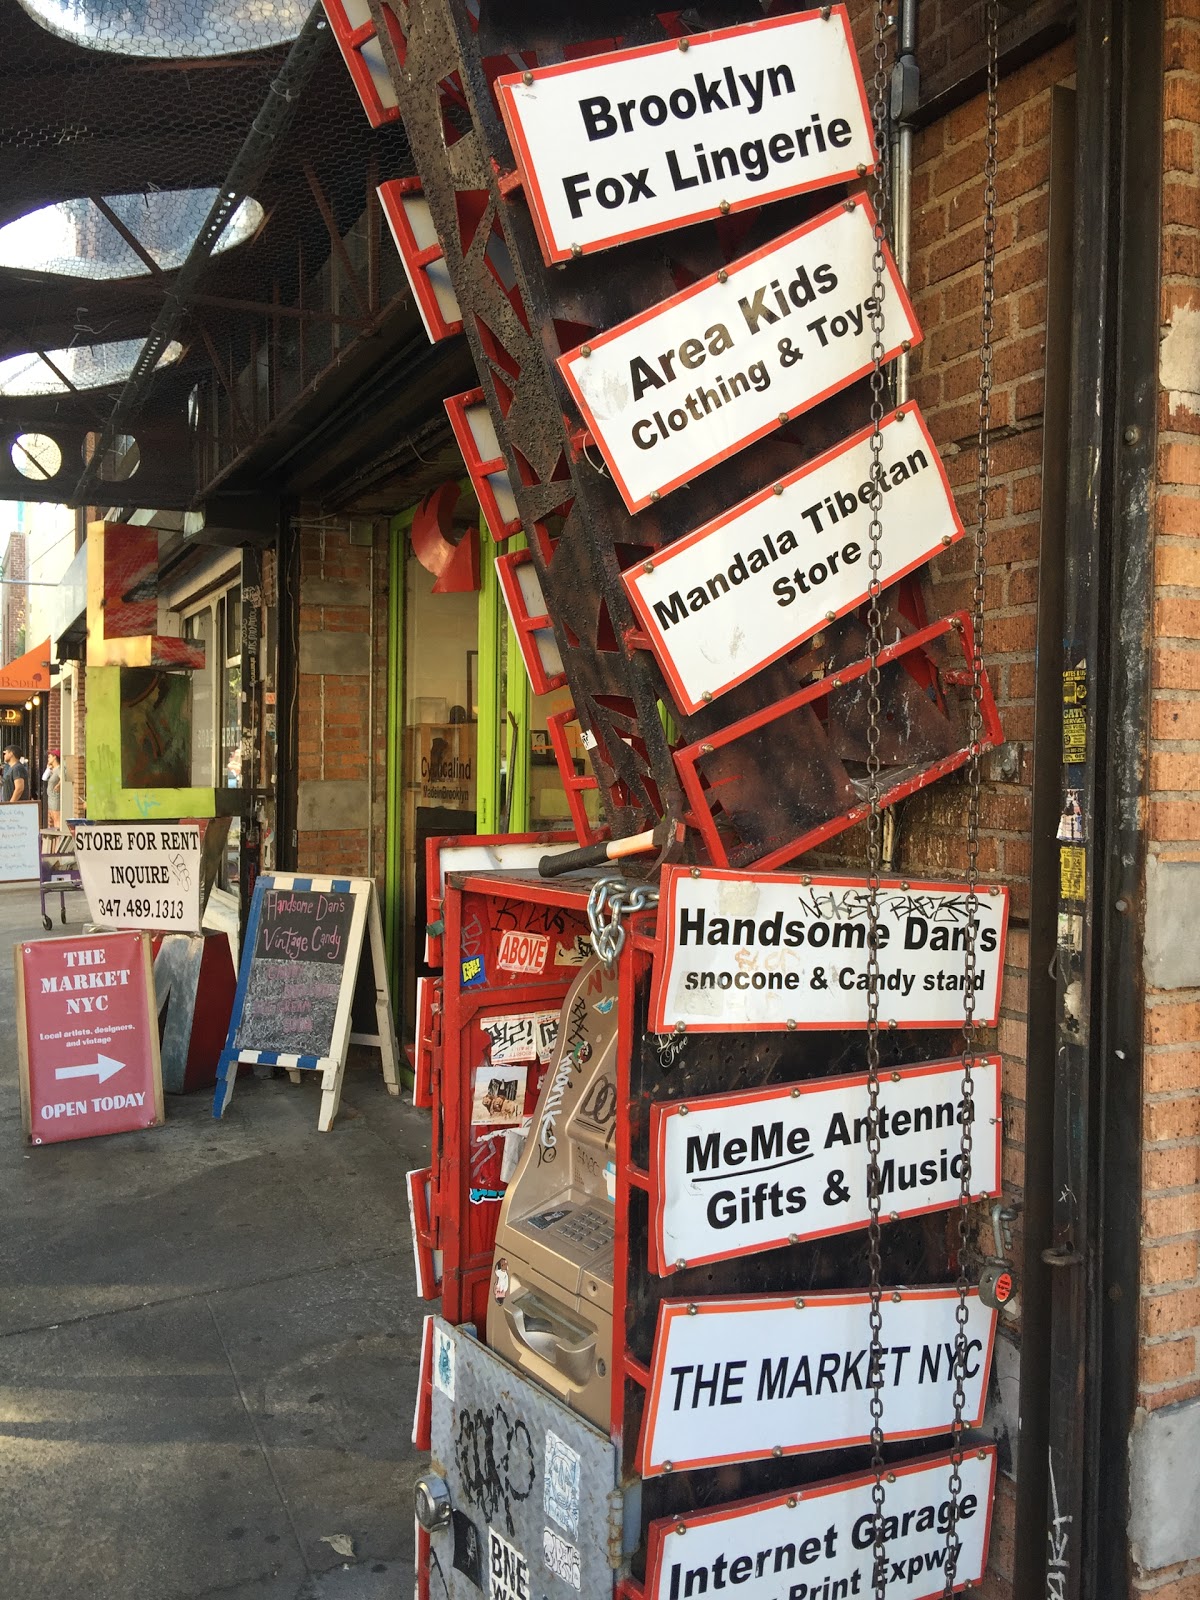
[440,736]
[199,626]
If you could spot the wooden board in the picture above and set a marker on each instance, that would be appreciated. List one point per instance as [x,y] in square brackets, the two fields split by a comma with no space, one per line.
[313,981]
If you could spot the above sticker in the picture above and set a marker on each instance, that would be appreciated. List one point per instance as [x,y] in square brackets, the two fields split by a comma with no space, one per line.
[742,951]
[691,381]
[522,952]
[745,1379]
[735,595]
[617,146]
[735,1173]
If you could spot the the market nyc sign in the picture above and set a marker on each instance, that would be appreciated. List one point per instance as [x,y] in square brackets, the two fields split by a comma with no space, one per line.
[618,146]
[744,1379]
[743,951]
[736,1173]
[698,377]
[723,602]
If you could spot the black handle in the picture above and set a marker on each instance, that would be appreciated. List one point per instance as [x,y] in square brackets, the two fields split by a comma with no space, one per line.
[588,855]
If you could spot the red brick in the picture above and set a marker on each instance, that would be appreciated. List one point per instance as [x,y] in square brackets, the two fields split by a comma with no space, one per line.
[1173,1022]
[1170,1312]
[1181,47]
[1175,819]
[1175,669]
[1167,1362]
[1168,1071]
[1169,1263]
[1181,98]
[1171,1215]
[1174,772]
[1171,1166]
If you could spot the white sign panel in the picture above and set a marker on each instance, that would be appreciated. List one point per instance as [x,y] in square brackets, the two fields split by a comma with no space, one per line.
[741,951]
[141,874]
[818,1541]
[744,1379]
[699,376]
[618,146]
[20,849]
[725,601]
[735,1173]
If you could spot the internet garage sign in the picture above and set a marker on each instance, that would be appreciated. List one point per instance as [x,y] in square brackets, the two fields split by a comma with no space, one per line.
[818,1542]
[619,146]
[744,951]
[725,601]
[735,1173]
[747,1378]
[698,377]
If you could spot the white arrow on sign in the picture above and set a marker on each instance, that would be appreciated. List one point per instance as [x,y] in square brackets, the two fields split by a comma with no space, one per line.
[103,1068]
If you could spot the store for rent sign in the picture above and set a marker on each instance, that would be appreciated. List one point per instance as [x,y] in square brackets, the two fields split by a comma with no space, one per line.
[736,1173]
[740,951]
[725,601]
[141,874]
[619,146]
[819,1542]
[744,1379]
[698,377]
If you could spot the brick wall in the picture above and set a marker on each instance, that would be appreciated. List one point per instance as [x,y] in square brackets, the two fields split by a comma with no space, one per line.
[1169,1366]
[342,765]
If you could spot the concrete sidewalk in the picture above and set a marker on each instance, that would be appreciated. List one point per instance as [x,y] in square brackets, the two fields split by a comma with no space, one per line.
[208,1344]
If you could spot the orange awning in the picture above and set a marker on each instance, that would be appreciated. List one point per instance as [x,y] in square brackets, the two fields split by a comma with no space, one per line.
[28,674]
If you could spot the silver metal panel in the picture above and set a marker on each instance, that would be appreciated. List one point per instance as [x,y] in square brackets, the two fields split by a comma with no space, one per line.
[520,1464]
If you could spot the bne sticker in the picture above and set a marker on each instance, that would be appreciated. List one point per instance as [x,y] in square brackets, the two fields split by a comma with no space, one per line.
[819,1544]
[691,381]
[745,1379]
[735,595]
[741,951]
[622,145]
[735,1173]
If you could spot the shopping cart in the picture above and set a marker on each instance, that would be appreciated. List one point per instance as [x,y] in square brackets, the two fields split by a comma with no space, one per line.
[59,872]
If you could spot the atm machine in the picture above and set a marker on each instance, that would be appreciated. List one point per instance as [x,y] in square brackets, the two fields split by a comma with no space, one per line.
[551,1304]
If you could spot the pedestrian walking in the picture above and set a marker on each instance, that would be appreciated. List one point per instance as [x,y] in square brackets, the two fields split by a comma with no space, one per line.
[14,785]
[52,781]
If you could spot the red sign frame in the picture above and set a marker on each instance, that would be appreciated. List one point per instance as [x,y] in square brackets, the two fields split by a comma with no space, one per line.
[662,1111]
[658,1530]
[670,1310]
[726,275]
[673,875]
[97,995]
[645,610]
[504,88]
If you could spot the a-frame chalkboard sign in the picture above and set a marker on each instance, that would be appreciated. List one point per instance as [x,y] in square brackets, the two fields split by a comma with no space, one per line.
[310,985]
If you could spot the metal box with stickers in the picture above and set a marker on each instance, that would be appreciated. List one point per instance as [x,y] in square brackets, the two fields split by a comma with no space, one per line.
[717,1394]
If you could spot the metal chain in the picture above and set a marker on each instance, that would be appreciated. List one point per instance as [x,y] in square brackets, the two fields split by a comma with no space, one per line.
[983,484]
[881,84]
[610,902]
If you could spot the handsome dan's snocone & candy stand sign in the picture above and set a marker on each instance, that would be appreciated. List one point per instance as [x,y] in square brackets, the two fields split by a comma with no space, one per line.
[741,951]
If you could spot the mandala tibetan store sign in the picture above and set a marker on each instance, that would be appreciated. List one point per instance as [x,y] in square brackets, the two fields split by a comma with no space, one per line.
[618,146]
[694,379]
[735,1173]
[740,951]
[745,1379]
[819,1542]
[735,595]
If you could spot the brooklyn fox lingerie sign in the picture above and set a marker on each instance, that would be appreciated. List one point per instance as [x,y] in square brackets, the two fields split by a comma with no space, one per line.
[615,147]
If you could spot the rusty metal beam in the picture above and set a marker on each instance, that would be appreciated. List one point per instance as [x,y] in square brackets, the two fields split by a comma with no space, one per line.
[131,239]
[336,240]
[223,378]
